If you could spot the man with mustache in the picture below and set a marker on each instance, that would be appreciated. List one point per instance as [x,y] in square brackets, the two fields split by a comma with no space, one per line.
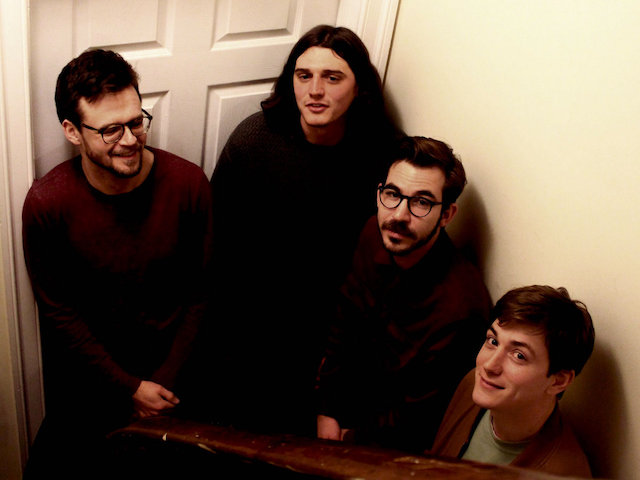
[411,313]
[117,244]
[506,410]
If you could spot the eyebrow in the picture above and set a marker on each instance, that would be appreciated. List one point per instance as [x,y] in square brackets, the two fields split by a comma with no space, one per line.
[515,343]
[124,123]
[419,193]
[324,72]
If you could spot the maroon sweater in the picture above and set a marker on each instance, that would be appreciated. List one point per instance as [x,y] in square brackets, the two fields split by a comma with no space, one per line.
[120,280]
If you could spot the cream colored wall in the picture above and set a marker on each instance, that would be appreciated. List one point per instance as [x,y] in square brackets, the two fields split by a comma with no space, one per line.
[541,100]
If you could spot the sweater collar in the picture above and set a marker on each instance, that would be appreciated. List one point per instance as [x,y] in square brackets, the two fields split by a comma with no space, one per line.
[434,258]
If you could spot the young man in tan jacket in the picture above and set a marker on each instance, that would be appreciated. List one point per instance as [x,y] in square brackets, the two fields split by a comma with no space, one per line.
[505,411]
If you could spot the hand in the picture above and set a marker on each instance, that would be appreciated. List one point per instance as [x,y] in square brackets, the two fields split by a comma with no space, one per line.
[152,399]
[329,428]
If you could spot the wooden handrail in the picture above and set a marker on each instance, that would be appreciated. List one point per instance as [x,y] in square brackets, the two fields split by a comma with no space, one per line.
[314,457]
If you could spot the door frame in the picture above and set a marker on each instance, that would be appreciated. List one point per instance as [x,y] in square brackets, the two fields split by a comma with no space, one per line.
[372,20]
[16,175]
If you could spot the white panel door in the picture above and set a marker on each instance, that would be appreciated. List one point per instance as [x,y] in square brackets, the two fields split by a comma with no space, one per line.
[204,66]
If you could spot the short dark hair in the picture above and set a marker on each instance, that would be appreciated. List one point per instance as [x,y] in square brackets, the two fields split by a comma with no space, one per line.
[566,323]
[368,107]
[428,152]
[91,75]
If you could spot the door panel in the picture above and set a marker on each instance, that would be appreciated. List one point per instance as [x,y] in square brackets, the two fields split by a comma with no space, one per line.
[226,107]
[204,65]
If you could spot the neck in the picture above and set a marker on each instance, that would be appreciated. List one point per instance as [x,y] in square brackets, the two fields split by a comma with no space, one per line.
[324,135]
[521,426]
[407,261]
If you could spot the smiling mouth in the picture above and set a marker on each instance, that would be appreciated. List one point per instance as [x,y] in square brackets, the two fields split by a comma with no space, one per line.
[125,154]
[489,384]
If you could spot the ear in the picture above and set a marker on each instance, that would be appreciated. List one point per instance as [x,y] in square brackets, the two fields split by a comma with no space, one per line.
[561,380]
[448,214]
[71,132]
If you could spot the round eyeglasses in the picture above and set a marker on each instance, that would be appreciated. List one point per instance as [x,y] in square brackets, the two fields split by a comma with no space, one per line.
[114,132]
[418,206]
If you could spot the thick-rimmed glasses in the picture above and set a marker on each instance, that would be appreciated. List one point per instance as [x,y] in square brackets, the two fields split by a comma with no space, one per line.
[114,132]
[418,206]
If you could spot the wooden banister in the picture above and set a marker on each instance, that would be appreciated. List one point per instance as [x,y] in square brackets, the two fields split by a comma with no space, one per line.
[311,457]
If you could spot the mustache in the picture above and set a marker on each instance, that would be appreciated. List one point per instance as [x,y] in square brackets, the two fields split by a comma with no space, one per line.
[400,227]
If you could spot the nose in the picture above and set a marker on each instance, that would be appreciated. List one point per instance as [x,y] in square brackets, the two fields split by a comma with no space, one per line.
[317,87]
[401,212]
[128,138]
[493,362]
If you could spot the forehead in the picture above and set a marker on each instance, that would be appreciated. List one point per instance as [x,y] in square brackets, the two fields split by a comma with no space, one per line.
[116,107]
[322,58]
[412,179]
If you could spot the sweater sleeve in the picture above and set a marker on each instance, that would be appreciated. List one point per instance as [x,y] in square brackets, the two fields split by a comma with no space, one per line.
[62,325]
[336,380]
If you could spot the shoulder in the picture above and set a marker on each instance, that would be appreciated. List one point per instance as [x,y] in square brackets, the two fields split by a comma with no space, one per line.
[568,452]
[172,167]
[556,450]
[465,388]
[462,398]
[169,161]
[257,148]
[58,186]
[461,275]
[176,181]
[253,126]
[65,174]
[453,256]
[458,421]
[254,135]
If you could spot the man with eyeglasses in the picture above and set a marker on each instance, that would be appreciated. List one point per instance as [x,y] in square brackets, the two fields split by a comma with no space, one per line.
[117,244]
[411,313]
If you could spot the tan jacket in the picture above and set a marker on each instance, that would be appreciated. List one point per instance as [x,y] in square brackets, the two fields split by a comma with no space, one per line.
[553,450]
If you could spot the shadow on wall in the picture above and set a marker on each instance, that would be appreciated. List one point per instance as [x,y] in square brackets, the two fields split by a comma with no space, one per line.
[596,408]
[469,230]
